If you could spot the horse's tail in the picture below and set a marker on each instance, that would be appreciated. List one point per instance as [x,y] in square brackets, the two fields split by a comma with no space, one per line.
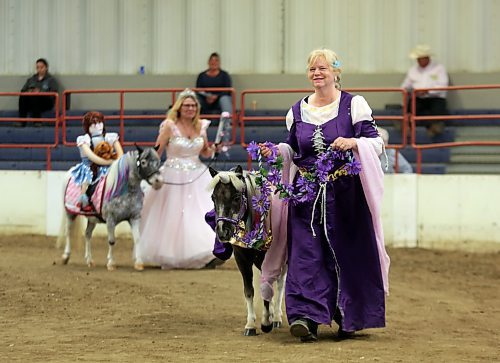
[75,231]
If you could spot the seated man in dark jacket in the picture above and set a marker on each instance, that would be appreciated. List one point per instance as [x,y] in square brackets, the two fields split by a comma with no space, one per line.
[214,77]
[42,81]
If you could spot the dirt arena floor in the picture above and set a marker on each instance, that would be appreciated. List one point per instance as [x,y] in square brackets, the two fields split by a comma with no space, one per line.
[443,307]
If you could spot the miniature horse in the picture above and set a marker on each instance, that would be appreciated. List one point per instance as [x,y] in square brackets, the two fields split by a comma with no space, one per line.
[232,197]
[122,199]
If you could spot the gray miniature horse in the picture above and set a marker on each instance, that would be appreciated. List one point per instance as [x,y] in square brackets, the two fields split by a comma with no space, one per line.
[122,200]
[232,196]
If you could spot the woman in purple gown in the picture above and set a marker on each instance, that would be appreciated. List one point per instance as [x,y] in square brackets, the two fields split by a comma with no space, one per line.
[337,265]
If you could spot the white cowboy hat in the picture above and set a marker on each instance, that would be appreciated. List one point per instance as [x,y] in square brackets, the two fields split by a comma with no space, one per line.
[420,51]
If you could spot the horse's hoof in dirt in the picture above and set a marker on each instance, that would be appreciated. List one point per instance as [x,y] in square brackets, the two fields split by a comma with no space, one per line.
[111,267]
[91,264]
[266,328]
[250,332]
[65,259]
[277,324]
[139,267]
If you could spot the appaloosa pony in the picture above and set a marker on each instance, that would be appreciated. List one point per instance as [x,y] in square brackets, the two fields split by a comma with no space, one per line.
[117,197]
[234,216]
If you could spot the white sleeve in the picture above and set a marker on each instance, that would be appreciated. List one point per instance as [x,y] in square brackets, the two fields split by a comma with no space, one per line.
[407,82]
[289,119]
[360,110]
[111,137]
[204,126]
[83,140]
[376,143]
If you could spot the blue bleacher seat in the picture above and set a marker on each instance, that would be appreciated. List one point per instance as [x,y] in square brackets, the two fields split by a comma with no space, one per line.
[63,157]
[17,154]
[28,134]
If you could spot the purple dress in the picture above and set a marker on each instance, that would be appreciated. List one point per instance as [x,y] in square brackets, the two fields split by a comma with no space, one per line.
[338,278]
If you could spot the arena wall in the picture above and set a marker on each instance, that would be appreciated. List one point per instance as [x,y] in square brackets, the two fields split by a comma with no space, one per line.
[429,211]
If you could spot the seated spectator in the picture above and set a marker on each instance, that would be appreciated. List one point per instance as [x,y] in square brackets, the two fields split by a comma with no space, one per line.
[428,74]
[214,76]
[42,81]
[403,164]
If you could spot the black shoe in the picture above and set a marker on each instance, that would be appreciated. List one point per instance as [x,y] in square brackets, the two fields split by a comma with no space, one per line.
[342,334]
[306,330]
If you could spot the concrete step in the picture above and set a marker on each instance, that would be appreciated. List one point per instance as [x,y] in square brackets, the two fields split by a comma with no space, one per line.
[473,169]
[475,159]
[467,133]
[475,150]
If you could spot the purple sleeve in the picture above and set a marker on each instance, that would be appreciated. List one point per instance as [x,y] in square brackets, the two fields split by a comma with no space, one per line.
[365,129]
[221,250]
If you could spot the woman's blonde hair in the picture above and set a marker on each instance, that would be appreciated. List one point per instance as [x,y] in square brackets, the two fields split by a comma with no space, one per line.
[331,58]
[175,112]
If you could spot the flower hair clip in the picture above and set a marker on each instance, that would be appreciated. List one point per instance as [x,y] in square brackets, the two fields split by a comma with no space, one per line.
[336,64]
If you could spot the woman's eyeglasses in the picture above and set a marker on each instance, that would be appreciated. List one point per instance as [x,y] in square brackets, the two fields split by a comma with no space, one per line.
[189,106]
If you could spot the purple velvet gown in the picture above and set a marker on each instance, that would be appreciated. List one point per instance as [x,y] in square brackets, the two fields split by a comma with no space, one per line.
[339,279]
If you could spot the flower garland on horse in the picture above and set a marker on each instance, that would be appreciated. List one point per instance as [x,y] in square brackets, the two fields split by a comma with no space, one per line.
[311,184]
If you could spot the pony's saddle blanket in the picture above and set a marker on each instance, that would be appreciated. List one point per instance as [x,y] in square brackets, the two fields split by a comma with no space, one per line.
[72,195]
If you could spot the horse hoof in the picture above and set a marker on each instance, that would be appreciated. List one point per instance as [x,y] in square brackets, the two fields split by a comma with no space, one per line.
[277,324]
[65,259]
[139,267]
[91,264]
[111,267]
[250,332]
[266,328]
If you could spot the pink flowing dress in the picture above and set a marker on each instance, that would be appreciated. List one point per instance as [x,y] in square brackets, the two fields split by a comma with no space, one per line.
[174,233]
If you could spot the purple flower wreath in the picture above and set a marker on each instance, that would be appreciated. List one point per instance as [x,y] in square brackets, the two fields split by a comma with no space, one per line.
[308,181]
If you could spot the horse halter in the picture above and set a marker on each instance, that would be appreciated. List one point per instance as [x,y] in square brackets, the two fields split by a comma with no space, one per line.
[145,172]
[241,212]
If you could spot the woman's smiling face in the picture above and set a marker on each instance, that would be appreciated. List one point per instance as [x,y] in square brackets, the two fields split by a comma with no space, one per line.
[188,108]
[320,73]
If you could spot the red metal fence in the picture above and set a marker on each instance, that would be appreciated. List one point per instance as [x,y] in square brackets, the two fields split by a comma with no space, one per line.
[470,118]
[241,118]
[54,120]
[171,95]
[402,119]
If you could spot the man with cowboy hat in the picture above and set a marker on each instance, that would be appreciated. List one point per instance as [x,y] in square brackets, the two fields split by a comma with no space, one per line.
[428,74]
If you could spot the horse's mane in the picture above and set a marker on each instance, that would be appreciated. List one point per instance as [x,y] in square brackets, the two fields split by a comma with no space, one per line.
[117,178]
[226,177]
[248,181]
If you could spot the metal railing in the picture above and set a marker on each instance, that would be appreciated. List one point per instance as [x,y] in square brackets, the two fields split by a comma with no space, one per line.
[122,117]
[398,118]
[414,119]
[54,120]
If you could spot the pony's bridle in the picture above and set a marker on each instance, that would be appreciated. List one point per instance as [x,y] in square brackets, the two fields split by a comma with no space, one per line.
[144,172]
[241,213]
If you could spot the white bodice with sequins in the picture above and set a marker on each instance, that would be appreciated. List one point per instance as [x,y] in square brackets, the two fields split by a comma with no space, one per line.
[182,153]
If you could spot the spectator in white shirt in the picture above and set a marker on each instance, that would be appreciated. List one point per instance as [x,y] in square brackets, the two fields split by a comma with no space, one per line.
[403,164]
[428,74]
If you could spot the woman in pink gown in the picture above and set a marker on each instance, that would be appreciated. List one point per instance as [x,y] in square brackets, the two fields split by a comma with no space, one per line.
[173,229]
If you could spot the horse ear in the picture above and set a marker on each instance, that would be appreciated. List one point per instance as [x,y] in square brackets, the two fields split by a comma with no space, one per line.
[213,172]
[238,170]
[140,149]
